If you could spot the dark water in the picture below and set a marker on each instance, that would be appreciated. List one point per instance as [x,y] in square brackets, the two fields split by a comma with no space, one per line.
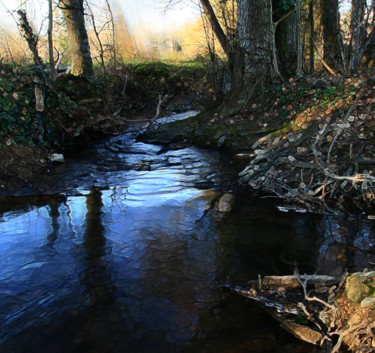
[129,252]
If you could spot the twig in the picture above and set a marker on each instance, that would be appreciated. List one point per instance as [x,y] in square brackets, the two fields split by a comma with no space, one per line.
[307,297]
[161,101]
[310,317]
[324,62]
[316,299]
[340,129]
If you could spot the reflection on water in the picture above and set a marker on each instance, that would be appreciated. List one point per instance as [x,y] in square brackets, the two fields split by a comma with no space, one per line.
[132,260]
[347,242]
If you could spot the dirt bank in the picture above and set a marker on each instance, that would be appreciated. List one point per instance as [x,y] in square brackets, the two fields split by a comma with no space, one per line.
[38,121]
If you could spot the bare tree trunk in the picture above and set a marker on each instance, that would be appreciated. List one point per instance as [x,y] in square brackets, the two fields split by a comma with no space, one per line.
[253,56]
[358,31]
[79,44]
[40,77]
[50,34]
[312,36]
[299,40]
[287,37]
[216,27]
[31,38]
[331,32]
[113,32]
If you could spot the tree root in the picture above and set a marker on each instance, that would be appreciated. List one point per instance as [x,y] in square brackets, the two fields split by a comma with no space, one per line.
[359,337]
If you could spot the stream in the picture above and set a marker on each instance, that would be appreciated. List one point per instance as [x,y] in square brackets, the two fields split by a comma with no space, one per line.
[127,252]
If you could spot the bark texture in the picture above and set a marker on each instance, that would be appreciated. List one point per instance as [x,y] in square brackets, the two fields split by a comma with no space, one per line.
[78,40]
[287,33]
[253,57]
[360,45]
[312,37]
[331,32]
[50,34]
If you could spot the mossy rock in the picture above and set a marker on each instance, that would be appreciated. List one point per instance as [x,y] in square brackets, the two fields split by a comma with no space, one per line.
[356,287]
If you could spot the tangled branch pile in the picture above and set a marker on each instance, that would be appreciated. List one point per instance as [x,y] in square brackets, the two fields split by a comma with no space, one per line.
[325,161]
[348,315]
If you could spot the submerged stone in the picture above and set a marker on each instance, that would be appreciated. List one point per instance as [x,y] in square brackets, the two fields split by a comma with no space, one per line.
[226,202]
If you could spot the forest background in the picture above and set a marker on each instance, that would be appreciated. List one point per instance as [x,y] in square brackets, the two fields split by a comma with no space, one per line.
[288,86]
[76,70]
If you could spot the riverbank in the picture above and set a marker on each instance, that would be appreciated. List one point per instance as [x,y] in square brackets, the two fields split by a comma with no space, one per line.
[39,122]
[309,142]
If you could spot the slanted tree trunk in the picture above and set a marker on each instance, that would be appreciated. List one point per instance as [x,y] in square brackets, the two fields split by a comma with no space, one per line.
[31,38]
[78,40]
[254,43]
[331,32]
[216,27]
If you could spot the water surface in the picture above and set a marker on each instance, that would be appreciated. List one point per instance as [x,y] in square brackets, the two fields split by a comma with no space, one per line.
[127,253]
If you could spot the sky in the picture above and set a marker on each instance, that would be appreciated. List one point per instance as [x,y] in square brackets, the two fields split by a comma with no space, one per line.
[153,13]
[138,13]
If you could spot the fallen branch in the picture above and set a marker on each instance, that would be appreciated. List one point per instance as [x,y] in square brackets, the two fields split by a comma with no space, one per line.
[307,297]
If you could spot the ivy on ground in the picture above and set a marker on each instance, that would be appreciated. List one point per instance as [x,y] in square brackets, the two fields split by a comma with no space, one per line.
[20,122]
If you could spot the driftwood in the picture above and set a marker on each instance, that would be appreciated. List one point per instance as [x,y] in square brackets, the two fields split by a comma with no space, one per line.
[285,298]
[333,316]
[292,282]
[302,332]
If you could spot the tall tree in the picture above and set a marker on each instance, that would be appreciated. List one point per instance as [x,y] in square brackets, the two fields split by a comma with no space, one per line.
[50,33]
[254,41]
[267,35]
[73,13]
[312,36]
[330,21]
[361,30]
[286,18]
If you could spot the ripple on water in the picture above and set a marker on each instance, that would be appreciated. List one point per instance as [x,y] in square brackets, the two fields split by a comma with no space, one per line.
[136,262]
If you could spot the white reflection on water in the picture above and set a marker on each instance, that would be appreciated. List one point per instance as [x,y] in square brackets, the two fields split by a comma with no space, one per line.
[140,243]
[140,257]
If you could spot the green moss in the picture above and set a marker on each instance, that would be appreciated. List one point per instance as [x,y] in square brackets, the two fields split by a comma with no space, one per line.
[282,131]
[356,289]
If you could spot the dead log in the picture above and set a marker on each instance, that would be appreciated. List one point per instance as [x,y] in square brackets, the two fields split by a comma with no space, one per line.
[292,282]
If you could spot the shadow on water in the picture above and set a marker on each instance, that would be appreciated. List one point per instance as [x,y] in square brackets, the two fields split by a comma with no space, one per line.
[131,259]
